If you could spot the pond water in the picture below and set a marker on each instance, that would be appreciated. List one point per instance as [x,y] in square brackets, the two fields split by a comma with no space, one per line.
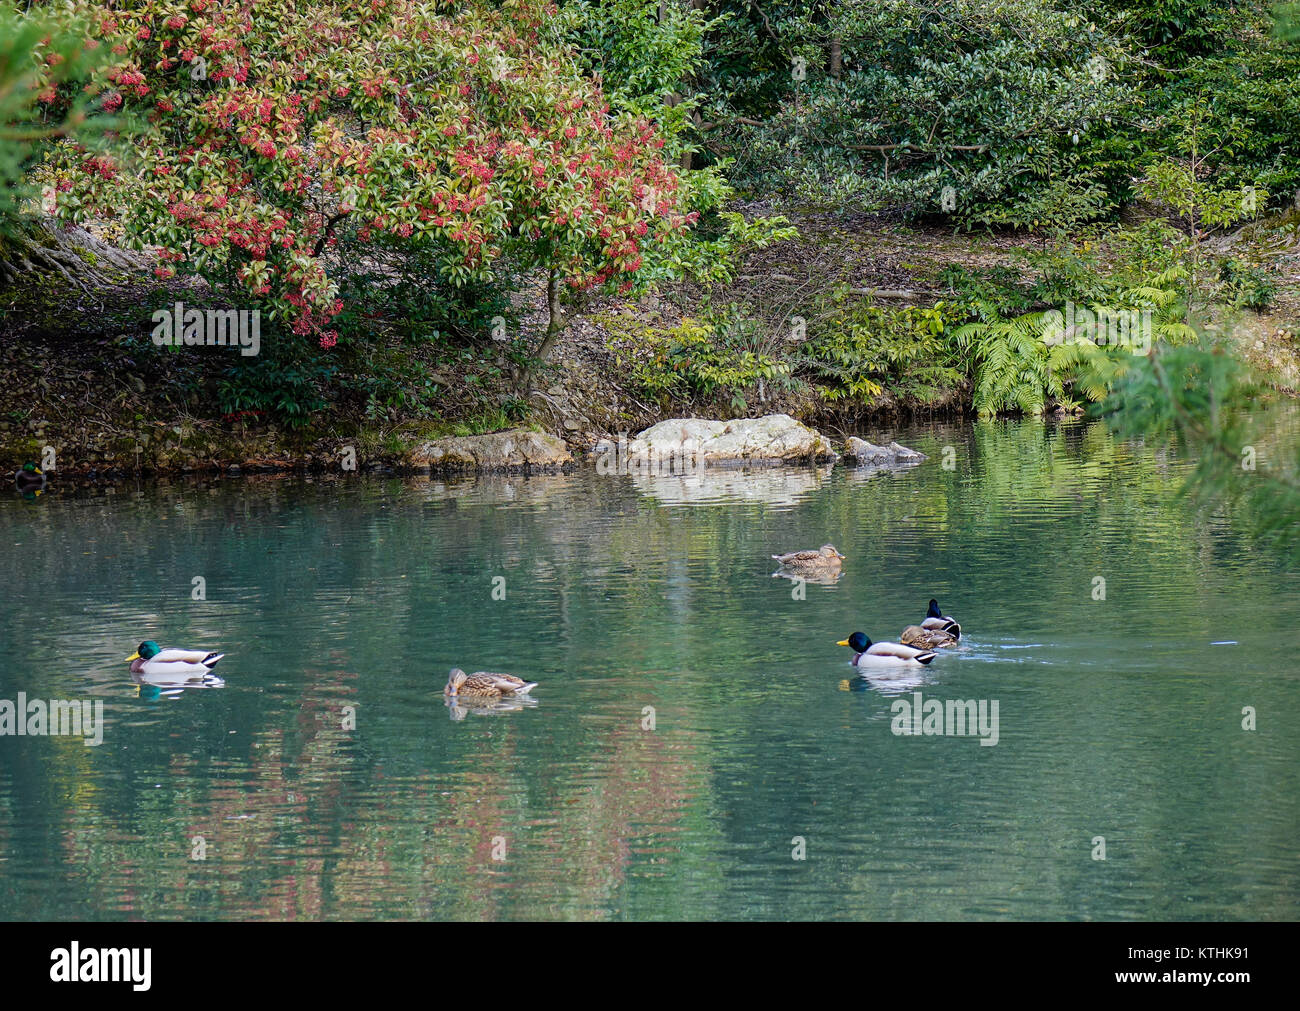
[328,778]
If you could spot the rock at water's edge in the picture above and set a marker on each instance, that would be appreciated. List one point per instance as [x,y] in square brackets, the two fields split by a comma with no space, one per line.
[774,438]
[862,451]
[515,450]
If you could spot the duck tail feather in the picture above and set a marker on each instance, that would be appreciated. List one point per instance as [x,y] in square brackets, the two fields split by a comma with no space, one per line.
[925,657]
[212,659]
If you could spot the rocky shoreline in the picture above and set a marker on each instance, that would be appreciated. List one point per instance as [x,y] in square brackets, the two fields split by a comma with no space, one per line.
[675,446]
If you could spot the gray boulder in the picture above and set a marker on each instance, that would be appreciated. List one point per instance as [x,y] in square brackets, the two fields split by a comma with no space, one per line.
[514,450]
[863,452]
[774,438]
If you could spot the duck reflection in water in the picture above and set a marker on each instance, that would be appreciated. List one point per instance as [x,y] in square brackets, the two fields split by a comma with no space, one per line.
[460,706]
[819,578]
[888,683]
[154,686]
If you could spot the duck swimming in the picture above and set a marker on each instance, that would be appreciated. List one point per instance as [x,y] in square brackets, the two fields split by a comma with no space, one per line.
[150,658]
[483,683]
[29,478]
[824,559]
[884,654]
[927,638]
[936,619]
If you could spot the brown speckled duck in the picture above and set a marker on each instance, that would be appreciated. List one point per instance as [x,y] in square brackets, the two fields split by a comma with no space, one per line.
[824,560]
[927,638]
[485,684]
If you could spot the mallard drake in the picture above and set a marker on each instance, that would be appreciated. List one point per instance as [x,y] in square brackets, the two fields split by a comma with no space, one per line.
[936,619]
[824,559]
[884,654]
[483,683]
[29,478]
[927,638]
[150,658]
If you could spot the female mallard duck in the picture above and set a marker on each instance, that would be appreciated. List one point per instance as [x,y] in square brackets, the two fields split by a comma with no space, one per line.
[485,684]
[824,559]
[936,619]
[150,658]
[29,478]
[927,638]
[884,654]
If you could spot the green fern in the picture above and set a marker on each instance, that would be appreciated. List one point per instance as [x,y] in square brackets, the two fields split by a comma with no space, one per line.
[1017,368]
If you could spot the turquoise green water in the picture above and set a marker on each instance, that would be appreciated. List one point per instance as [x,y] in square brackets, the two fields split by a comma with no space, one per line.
[1117,717]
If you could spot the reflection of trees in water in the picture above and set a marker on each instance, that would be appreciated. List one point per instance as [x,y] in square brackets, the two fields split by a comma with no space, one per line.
[348,586]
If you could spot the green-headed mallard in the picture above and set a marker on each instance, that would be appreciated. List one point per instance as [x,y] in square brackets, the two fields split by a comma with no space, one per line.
[927,638]
[936,619]
[29,478]
[884,654]
[483,683]
[824,560]
[150,658]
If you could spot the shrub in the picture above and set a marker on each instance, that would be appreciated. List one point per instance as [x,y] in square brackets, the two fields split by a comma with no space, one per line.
[860,350]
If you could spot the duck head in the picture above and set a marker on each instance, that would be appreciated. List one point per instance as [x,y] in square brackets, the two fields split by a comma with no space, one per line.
[29,478]
[455,679]
[934,611]
[147,650]
[858,642]
[829,553]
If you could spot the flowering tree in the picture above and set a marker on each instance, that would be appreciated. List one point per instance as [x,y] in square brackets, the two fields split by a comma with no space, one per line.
[280,137]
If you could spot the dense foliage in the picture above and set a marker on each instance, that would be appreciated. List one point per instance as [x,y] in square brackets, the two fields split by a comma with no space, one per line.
[386,176]
[283,139]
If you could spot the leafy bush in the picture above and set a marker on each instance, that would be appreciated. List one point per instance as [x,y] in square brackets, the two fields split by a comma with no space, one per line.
[288,390]
[45,65]
[399,290]
[699,359]
[986,112]
[859,350]
[1247,285]
[467,124]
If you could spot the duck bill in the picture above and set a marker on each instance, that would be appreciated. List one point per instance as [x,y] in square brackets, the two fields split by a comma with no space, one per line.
[133,656]
[842,642]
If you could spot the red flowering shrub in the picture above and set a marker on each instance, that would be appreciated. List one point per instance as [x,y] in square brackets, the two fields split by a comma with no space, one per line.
[283,135]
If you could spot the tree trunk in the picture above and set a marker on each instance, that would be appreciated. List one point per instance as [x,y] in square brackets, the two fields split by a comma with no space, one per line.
[836,57]
[39,249]
[555,322]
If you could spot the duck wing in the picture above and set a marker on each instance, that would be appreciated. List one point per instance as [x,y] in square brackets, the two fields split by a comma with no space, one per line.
[198,656]
[897,651]
[944,624]
[507,683]
[926,638]
[798,557]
